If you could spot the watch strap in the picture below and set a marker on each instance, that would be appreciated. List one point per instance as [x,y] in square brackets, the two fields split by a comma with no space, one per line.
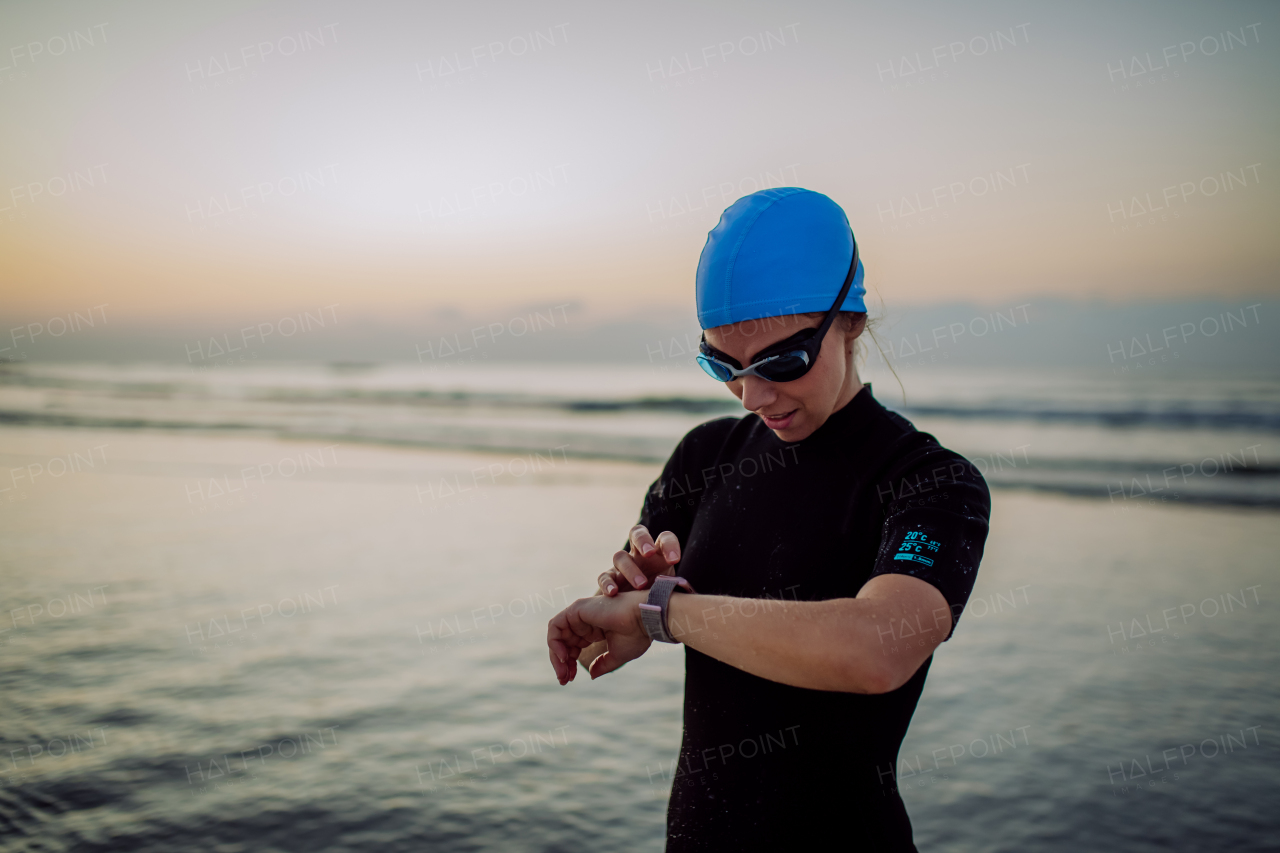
[653,613]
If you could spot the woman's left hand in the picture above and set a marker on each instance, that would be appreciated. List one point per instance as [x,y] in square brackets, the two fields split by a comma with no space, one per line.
[613,619]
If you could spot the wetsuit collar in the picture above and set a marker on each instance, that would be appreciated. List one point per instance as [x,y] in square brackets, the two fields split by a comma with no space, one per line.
[846,420]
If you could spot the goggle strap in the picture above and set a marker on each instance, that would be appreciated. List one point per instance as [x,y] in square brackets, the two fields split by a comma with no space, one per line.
[844,291]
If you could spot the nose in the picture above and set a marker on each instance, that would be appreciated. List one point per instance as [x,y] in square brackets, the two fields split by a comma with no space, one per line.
[757,393]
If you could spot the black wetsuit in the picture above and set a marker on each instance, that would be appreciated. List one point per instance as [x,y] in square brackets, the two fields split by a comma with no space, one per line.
[765,766]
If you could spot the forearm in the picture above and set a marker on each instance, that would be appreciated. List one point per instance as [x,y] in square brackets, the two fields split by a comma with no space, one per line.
[851,645]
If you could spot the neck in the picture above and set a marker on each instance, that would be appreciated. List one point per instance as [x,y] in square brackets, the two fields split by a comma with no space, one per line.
[852,385]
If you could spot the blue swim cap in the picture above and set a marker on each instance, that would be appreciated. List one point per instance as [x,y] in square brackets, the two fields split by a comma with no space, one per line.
[775,252]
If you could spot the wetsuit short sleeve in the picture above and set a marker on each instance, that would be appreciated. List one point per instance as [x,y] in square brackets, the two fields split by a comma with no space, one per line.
[936,525]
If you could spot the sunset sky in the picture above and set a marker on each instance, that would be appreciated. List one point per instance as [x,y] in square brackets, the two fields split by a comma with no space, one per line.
[396,158]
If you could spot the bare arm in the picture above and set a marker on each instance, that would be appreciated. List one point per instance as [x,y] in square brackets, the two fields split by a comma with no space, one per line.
[870,644]
[873,643]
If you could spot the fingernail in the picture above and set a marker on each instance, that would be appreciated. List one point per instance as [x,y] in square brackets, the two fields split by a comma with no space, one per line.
[639,581]
[610,589]
[671,556]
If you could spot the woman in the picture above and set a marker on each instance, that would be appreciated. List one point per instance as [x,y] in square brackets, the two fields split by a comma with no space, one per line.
[826,548]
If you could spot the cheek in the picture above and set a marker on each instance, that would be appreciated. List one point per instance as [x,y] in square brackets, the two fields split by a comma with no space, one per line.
[816,385]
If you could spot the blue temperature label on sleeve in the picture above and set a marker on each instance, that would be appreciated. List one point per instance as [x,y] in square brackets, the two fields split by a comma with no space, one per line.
[917,547]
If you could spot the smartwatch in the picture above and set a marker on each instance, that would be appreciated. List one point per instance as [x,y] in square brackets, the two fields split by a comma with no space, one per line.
[653,613]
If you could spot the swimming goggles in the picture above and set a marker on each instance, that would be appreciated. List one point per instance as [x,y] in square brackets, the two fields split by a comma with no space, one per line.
[784,361]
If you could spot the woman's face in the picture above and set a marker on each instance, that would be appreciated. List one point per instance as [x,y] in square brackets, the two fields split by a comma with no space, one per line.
[793,410]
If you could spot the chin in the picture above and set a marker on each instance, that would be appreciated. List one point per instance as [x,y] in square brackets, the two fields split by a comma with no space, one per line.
[793,433]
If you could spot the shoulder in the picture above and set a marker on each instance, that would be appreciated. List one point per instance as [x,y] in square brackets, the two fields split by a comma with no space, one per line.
[706,440]
[923,473]
[714,430]
[918,470]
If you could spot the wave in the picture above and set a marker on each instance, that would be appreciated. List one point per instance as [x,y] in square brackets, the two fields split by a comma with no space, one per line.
[1225,416]
[1121,443]
[1221,413]
[1233,481]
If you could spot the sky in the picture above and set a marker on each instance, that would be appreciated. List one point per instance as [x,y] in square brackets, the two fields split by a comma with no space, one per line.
[183,163]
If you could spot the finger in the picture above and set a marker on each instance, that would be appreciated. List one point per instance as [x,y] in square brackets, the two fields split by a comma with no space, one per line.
[582,632]
[560,659]
[641,541]
[555,628]
[605,664]
[555,664]
[608,582]
[559,651]
[623,562]
[669,545]
[561,668]
[624,583]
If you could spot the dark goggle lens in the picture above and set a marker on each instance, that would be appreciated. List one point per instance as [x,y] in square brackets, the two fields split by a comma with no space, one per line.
[714,369]
[785,368]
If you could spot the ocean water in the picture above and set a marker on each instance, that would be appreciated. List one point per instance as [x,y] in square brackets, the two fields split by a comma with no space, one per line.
[1202,438]
[303,607]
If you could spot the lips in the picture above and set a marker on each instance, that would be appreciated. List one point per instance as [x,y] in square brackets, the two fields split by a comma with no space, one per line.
[781,422]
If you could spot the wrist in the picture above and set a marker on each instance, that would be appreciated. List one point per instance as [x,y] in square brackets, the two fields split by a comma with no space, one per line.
[632,601]
[654,612]
[679,609]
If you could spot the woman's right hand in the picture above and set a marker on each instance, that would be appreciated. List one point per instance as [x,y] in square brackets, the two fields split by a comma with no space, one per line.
[647,560]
